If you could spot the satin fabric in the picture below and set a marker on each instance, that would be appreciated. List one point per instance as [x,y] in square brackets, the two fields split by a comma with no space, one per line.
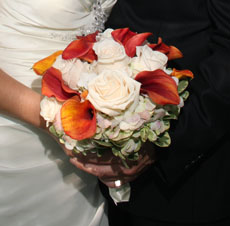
[38,185]
[189,184]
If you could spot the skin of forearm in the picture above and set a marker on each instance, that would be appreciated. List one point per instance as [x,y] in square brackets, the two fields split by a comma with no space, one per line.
[19,101]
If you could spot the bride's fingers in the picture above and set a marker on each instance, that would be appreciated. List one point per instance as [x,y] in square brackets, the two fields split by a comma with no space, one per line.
[67,151]
[106,159]
[102,171]
[113,171]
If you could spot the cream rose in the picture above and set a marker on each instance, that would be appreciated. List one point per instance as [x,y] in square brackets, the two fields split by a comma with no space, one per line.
[147,60]
[111,55]
[109,51]
[113,92]
[72,71]
[105,35]
[49,108]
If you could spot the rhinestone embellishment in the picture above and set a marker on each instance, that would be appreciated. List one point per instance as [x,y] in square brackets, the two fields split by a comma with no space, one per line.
[99,19]
[97,24]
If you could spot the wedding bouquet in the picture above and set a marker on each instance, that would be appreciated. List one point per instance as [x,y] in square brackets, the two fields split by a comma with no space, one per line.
[112,91]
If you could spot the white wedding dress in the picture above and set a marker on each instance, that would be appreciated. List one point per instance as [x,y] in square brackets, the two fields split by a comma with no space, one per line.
[38,185]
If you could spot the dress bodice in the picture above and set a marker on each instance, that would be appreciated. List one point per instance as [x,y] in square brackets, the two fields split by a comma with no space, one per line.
[31,30]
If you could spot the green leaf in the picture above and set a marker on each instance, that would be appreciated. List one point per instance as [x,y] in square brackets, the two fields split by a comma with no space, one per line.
[122,135]
[144,133]
[185,95]
[76,151]
[166,124]
[136,134]
[97,136]
[139,144]
[130,147]
[183,84]
[164,140]
[121,156]
[152,136]
[115,151]
[53,131]
[103,143]
[125,163]
[173,111]
[133,156]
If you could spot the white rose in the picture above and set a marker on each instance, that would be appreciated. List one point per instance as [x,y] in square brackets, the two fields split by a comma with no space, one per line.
[111,55]
[105,35]
[113,92]
[147,60]
[109,51]
[72,71]
[49,108]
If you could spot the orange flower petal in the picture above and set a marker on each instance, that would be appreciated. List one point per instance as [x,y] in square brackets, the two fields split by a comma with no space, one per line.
[160,46]
[171,51]
[77,48]
[78,119]
[122,35]
[182,73]
[130,40]
[132,43]
[174,53]
[53,85]
[160,87]
[43,65]
[90,56]
[89,37]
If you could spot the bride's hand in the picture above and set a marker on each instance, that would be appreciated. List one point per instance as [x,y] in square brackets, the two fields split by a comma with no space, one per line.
[23,103]
[109,168]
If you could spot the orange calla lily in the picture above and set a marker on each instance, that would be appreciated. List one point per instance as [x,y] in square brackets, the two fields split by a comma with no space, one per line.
[171,51]
[122,35]
[182,73]
[53,86]
[132,43]
[159,86]
[81,48]
[129,39]
[90,56]
[78,119]
[174,53]
[76,48]
[89,37]
[43,65]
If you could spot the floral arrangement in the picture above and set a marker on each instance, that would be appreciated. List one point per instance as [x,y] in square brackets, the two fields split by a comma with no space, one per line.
[112,91]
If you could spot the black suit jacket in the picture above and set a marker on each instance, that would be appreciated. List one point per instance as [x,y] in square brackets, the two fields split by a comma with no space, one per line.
[190,181]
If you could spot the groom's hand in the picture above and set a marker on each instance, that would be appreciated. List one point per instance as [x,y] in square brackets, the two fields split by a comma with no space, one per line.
[109,168]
